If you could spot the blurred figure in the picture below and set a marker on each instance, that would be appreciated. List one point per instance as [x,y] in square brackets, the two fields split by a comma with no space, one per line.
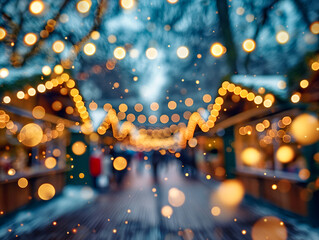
[95,163]
[156,157]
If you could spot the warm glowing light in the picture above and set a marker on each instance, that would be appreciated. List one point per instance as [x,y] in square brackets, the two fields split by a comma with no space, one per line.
[315,66]
[23,182]
[119,163]
[217,50]
[154,106]
[167,211]
[4,73]
[123,107]
[46,191]
[176,197]
[46,70]
[249,45]
[58,69]
[36,7]
[30,39]
[20,95]
[3,33]
[269,228]
[314,27]
[6,99]
[172,105]
[84,6]
[41,88]
[38,112]
[295,97]
[230,193]
[189,102]
[282,37]
[127,4]
[78,148]
[215,211]
[182,52]
[58,46]
[119,53]
[305,129]
[89,49]
[172,1]
[151,53]
[50,162]
[285,154]
[30,135]
[251,156]
[304,83]
[207,98]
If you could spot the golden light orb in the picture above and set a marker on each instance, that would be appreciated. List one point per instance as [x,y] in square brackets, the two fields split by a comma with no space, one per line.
[38,112]
[50,162]
[230,193]
[119,163]
[123,107]
[83,6]
[249,45]
[58,46]
[6,99]
[46,70]
[305,129]
[89,49]
[176,197]
[285,154]
[58,69]
[282,37]
[23,182]
[3,33]
[314,27]
[119,53]
[154,106]
[46,191]
[78,148]
[182,52]
[30,135]
[36,7]
[172,1]
[172,105]
[215,211]
[269,227]
[4,72]
[41,88]
[217,50]
[251,156]
[30,39]
[127,4]
[295,98]
[167,211]
[151,53]
[304,83]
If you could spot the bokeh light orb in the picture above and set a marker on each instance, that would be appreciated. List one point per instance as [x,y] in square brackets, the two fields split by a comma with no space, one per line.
[3,33]
[36,7]
[230,193]
[151,53]
[285,154]
[4,72]
[30,39]
[38,112]
[23,182]
[282,37]
[182,52]
[119,53]
[215,211]
[46,70]
[172,1]
[46,191]
[50,162]
[269,228]
[89,49]
[83,6]
[58,46]
[78,148]
[305,129]
[314,27]
[119,163]
[127,4]
[167,211]
[251,156]
[249,45]
[176,197]
[30,135]
[217,50]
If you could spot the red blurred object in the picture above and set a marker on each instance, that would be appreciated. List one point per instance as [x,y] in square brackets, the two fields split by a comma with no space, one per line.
[95,166]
